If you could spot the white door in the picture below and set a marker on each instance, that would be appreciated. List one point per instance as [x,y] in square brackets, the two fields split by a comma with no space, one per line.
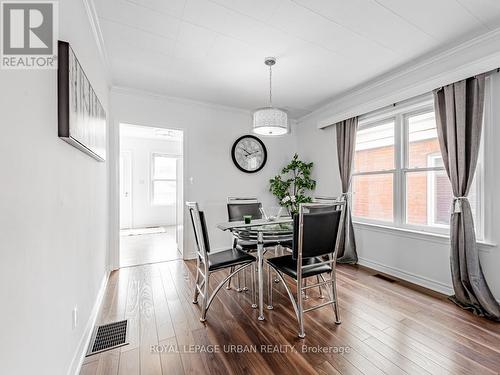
[125,189]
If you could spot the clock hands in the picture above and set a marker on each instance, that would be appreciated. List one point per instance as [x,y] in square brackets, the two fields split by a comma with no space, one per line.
[245,150]
[248,153]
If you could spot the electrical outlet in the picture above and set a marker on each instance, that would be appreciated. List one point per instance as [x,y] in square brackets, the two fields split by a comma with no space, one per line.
[75,317]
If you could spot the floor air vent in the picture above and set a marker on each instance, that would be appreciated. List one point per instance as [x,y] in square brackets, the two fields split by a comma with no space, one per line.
[108,336]
[383,277]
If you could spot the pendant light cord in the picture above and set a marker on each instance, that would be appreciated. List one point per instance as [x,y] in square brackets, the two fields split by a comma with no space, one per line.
[270,86]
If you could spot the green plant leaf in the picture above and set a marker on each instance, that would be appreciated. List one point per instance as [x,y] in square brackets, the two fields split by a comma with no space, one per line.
[294,180]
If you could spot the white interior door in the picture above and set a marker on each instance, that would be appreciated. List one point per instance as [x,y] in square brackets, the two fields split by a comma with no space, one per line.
[125,190]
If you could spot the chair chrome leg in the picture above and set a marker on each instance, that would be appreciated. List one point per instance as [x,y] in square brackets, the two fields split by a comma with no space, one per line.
[276,248]
[205,298]
[238,288]
[319,287]
[270,289]
[294,303]
[245,287]
[300,310]
[304,282]
[197,280]
[254,287]
[223,282]
[334,295]
[231,270]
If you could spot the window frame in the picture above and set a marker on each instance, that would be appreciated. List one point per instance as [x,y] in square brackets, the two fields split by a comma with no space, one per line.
[371,124]
[401,113]
[152,178]
[431,201]
[406,170]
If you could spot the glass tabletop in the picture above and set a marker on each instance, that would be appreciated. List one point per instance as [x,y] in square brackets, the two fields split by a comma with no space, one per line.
[281,227]
[284,224]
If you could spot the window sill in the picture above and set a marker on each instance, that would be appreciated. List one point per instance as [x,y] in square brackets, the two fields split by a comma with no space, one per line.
[484,246]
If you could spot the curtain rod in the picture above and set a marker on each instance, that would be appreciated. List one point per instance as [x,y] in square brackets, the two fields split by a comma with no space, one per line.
[492,71]
[497,70]
[405,101]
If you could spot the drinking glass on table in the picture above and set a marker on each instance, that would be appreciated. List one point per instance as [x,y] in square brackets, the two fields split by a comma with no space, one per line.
[271,213]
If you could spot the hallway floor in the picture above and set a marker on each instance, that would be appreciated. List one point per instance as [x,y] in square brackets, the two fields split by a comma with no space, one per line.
[148,248]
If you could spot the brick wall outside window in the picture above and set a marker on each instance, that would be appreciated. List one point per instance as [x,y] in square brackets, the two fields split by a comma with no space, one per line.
[373,194]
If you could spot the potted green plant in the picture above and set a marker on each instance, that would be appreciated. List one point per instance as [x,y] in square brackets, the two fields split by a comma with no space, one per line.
[291,185]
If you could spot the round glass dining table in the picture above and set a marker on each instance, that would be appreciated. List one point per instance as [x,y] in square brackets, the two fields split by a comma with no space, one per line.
[261,232]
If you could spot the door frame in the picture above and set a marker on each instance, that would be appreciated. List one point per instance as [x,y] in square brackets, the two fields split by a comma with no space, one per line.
[114,190]
[131,155]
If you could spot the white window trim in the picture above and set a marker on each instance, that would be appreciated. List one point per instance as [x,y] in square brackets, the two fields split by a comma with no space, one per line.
[379,120]
[431,201]
[404,144]
[152,178]
[399,113]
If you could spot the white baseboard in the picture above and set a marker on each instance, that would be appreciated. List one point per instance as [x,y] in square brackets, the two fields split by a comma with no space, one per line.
[408,276]
[188,255]
[76,363]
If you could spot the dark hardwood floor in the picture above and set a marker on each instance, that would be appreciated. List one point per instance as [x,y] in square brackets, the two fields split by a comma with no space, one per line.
[387,328]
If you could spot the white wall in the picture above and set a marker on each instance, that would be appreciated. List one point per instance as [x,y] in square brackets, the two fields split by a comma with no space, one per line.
[209,174]
[418,258]
[53,221]
[144,213]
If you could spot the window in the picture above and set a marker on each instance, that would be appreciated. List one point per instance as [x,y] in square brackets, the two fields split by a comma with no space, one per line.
[374,169]
[399,177]
[164,180]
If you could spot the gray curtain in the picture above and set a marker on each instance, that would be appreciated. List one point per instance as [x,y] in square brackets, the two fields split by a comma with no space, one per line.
[346,140]
[459,116]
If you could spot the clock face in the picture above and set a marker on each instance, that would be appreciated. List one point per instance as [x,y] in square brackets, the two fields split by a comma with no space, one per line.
[249,154]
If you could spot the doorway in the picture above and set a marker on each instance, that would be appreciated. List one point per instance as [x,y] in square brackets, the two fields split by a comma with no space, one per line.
[151,186]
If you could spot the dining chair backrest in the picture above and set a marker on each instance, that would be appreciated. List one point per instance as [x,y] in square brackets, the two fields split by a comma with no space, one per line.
[327,204]
[199,229]
[316,230]
[239,207]
[242,200]
[324,199]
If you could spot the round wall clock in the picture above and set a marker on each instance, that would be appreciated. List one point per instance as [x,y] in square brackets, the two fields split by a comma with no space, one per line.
[249,154]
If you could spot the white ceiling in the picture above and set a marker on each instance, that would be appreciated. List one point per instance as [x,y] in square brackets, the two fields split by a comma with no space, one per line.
[213,50]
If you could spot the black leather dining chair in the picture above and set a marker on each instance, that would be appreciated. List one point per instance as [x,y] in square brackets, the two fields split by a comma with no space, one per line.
[314,253]
[208,263]
[237,208]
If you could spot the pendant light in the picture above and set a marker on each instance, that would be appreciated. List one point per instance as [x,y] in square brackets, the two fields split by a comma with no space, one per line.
[270,120]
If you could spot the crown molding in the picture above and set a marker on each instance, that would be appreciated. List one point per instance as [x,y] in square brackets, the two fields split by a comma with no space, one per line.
[474,56]
[175,99]
[97,32]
